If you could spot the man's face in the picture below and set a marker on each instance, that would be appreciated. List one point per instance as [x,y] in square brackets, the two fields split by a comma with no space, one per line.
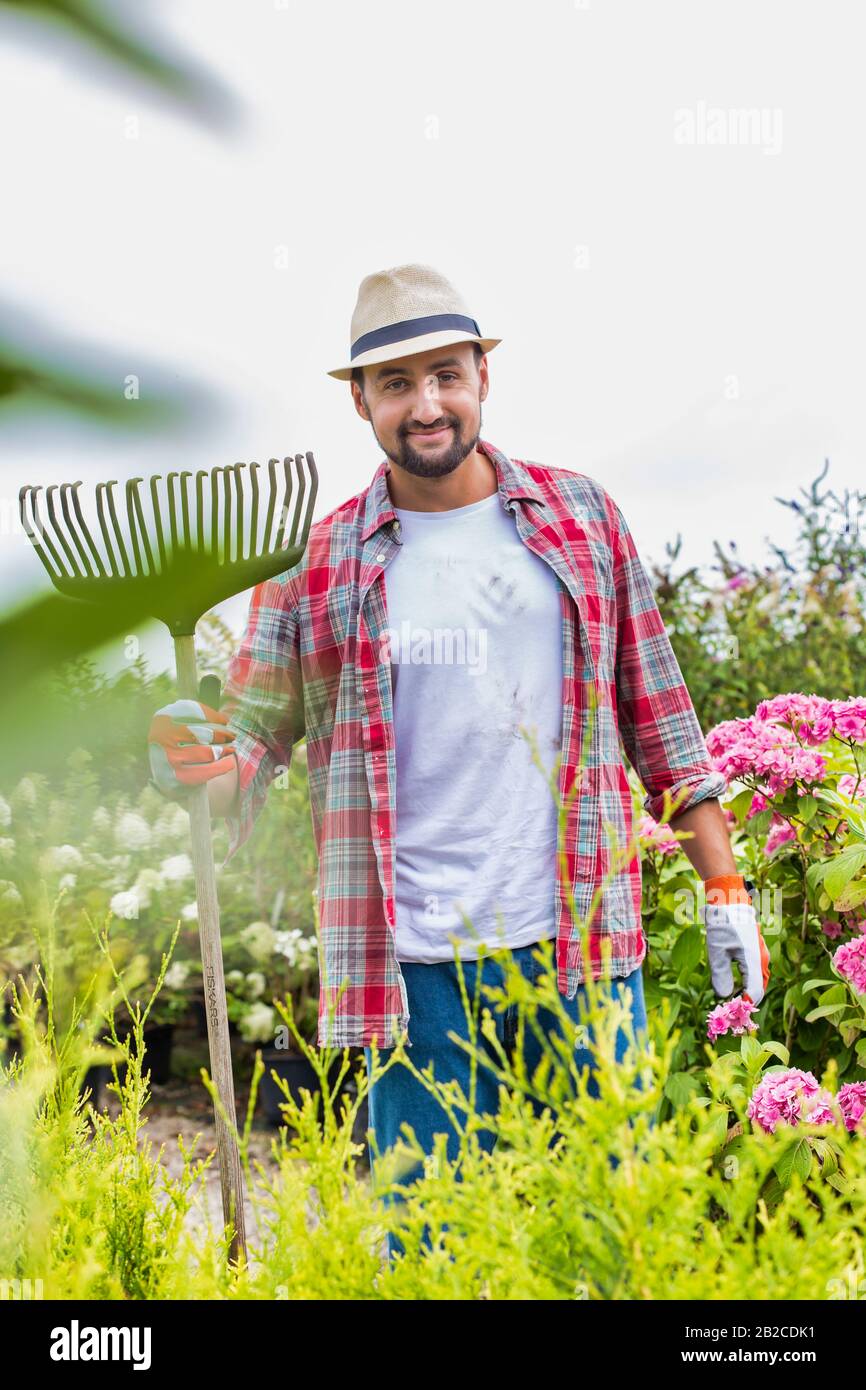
[425,409]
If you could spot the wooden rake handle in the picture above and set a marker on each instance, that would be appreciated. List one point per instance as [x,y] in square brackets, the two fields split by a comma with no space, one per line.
[213,976]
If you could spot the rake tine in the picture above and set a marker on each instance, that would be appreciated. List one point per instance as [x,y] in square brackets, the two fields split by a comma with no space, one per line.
[133,529]
[52,517]
[227,513]
[157,518]
[199,507]
[73,530]
[136,525]
[184,503]
[272,497]
[214,515]
[31,489]
[254,510]
[97,558]
[101,489]
[172,510]
[314,488]
[302,487]
[239,493]
[221,546]
[117,531]
[284,510]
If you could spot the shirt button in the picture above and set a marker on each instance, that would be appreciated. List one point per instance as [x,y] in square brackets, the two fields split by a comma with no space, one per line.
[381,557]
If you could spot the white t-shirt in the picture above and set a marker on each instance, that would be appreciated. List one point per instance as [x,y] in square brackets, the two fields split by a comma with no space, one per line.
[475,624]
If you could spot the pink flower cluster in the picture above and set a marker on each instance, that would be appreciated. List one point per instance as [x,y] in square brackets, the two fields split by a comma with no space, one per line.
[775,744]
[794,1097]
[733,1016]
[751,747]
[850,960]
[815,719]
[849,786]
[852,1103]
[658,837]
[833,929]
[780,832]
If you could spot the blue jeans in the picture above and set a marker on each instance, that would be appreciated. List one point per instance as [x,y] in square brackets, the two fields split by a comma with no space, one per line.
[435,1008]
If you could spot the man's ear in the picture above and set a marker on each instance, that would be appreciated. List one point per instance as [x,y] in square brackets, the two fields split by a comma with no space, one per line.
[360,403]
[483,377]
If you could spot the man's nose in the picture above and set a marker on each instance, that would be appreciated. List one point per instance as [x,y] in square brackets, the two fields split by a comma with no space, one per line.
[428,407]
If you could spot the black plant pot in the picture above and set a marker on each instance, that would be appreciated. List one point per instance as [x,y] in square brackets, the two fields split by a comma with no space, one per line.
[298,1073]
[158,1038]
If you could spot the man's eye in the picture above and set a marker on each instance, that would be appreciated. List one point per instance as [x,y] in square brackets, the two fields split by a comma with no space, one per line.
[400,381]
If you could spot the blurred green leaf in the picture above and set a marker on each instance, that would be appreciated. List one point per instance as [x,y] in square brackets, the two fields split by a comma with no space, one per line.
[100,31]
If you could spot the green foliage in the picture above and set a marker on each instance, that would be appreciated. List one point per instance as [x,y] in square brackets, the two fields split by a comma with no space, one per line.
[795,624]
[574,1204]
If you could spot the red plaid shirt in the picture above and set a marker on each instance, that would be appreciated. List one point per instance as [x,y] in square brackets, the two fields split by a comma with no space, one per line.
[308,665]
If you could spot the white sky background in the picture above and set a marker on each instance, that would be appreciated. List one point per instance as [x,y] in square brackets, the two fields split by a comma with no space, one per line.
[493,140]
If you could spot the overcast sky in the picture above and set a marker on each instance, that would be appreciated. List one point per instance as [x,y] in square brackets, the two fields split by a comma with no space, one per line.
[656,207]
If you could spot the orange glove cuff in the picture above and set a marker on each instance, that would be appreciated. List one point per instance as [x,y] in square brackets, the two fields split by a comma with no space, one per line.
[726,888]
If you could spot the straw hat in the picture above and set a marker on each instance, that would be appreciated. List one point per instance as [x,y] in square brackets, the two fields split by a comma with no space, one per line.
[406,309]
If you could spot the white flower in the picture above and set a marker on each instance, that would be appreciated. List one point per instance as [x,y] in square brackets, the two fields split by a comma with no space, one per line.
[7,847]
[148,881]
[5,814]
[308,949]
[132,831]
[9,893]
[68,881]
[297,948]
[257,1024]
[125,904]
[259,939]
[25,792]
[172,826]
[59,858]
[101,822]
[255,984]
[189,913]
[176,974]
[234,979]
[176,867]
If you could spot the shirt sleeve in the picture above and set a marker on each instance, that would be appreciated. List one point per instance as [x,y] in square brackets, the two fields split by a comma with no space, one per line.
[263,698]
[657,720]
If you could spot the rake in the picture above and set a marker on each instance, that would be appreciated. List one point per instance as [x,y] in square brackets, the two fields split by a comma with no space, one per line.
[174,550]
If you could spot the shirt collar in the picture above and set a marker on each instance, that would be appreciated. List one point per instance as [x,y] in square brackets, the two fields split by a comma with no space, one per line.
[514,481]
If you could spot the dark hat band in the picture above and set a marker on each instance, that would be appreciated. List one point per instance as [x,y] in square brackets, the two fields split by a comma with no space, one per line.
[412,328]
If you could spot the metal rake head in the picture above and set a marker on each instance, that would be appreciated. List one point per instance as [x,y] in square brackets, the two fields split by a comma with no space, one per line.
[190,543]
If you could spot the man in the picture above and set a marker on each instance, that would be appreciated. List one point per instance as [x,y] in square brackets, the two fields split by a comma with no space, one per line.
[457,618]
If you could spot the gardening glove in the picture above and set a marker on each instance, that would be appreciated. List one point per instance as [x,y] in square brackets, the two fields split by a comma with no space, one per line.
[186,744]
[733,934]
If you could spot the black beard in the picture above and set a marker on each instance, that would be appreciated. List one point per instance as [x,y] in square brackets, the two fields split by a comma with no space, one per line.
[420,466]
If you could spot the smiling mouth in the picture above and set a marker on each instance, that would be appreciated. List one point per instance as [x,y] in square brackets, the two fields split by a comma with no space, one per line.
[429,434]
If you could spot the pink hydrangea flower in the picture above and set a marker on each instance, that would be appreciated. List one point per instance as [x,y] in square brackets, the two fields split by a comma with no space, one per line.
[767,751]
[733,1016]
[779,835]
[850,961]
[659,837]
[831,928]
[849,719]
[852,1103]
[790,1097]
[849,786]
[809,716]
